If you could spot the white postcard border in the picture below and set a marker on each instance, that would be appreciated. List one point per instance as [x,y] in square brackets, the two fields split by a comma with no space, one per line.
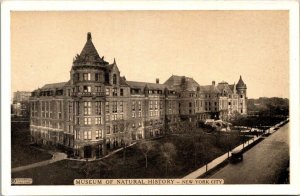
[7,6]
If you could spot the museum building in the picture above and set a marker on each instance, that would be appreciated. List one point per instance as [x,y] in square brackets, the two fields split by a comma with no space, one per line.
[98,110]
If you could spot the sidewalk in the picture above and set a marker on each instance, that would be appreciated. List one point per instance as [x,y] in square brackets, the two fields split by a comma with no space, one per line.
[110,154]
[57,156]
[199,172]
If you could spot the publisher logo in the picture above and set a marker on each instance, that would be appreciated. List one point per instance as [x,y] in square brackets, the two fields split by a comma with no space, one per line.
[21,181]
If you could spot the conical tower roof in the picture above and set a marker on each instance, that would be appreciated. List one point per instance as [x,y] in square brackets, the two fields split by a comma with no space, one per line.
[241,83]
[89,53]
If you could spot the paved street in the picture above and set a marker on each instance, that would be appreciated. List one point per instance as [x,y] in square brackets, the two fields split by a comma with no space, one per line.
[262,164]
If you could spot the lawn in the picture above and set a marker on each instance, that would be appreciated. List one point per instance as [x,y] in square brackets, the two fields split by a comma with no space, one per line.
[184,161]
[258,121]
[21,152]
[190,151]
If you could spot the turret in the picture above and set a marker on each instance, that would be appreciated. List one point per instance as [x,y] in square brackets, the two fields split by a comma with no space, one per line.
[241,87]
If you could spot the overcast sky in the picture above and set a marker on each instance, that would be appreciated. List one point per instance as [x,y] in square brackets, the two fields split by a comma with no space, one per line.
[204,45]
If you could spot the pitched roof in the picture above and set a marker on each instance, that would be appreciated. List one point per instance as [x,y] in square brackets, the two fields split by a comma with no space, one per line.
[231,86]
[53,86]
[123,81]
[209,89]
[224,86]
[182,83]
[141,85]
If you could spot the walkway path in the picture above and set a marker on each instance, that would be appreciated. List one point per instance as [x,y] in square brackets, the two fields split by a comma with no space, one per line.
[57,156]
[217,161]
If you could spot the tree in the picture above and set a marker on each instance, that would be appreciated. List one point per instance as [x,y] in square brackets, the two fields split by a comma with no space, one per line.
[145,147]
[168,151]
[125,127]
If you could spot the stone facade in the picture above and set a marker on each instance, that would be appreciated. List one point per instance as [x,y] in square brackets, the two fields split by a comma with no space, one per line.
[20,105]
[98,109]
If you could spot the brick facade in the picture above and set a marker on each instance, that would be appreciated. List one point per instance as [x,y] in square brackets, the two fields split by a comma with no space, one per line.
[98,109]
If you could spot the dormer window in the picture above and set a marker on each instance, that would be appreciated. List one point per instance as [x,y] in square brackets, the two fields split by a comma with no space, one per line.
[114,79]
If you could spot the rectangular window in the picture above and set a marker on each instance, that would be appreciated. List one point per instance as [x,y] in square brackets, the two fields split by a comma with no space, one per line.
[121,92]
[160,105]
[46,110]
[115,92]
[107,117]
[87,89]
[107,129]
[140,105]
[150,105]
[114,117]
[97,77]
[87,107]
[107,91]
[106,107]
[121,107]
[98,107]
[70,109]
[85,135]
[87,76]
[121,117]
[98,88]
[156,105]
[59,109]
[87,121]
[43,111]
[140,114]
[133,106]
[115,129]
[98,134]
[114,106]
[50,109]
[133,114]
[98,121]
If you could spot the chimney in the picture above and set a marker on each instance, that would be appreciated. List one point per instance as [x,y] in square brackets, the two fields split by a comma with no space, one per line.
[213,83]
[89,36]
[157,80]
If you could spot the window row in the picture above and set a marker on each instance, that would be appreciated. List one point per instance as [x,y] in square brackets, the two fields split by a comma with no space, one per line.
[88,77]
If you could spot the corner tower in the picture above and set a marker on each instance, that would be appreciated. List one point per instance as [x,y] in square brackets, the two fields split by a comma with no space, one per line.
[241,89]
[87,84]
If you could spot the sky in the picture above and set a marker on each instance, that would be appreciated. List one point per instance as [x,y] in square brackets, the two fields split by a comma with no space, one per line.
[204,45]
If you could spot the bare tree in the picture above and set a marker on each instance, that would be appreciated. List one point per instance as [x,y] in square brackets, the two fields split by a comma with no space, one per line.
[127,139]
[169,152]
[145,147]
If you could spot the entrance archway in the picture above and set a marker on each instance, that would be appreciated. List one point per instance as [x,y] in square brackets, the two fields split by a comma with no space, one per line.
[87,151]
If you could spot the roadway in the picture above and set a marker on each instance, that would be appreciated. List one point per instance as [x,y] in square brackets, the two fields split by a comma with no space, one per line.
[265,163]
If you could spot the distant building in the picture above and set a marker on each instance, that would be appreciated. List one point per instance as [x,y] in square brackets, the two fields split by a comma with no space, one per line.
[20,105]
[98,109]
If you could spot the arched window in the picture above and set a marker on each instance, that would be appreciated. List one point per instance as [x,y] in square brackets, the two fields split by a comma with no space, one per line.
[114,79]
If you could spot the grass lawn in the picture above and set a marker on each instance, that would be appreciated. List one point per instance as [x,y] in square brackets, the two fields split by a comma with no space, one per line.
[183,162]
[21,152]
[258,121]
